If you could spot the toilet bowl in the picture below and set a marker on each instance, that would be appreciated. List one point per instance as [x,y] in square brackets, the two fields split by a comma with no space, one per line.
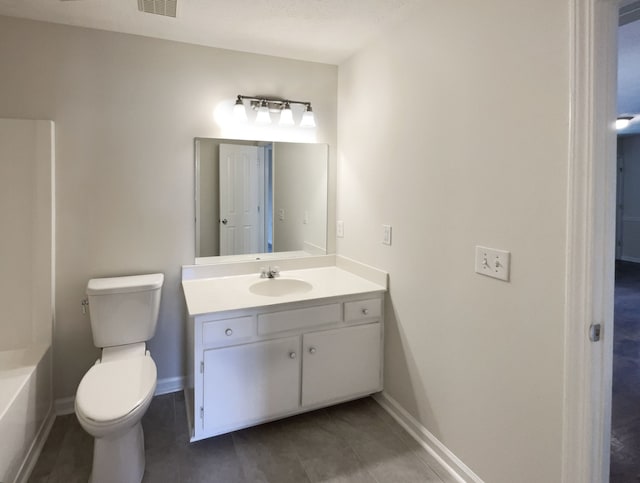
[111,400]
[116,391]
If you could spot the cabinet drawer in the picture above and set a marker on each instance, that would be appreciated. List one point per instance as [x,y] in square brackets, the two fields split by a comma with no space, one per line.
[227,331]
[299,318]
[362,309]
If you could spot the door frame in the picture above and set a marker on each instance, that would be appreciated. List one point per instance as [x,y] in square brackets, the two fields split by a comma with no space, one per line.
[590,246]
[619,205]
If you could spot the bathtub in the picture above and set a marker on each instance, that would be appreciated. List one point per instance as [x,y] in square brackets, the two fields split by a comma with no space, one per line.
[26,409]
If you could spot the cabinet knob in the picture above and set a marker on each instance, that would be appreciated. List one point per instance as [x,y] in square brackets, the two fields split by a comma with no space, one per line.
[365,311]
[228,332]
[292,355]
[312,350]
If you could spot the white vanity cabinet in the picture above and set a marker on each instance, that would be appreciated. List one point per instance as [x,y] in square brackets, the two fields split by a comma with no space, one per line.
[259,364]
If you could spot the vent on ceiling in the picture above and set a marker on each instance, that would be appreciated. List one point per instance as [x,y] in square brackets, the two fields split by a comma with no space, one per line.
[159,7]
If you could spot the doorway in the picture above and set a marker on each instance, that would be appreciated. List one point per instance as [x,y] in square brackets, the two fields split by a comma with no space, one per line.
[625,394]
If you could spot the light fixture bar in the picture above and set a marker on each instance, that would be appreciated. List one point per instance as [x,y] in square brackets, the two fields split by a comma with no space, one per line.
[264,104]
[272,100]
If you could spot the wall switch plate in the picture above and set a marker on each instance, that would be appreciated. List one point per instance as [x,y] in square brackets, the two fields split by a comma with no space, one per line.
[386,234]
[340,229]
[493,263]
[281,214]
[305,220]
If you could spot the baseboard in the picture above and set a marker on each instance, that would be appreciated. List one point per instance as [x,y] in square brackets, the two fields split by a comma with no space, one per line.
[36,448]
[168,385]
[625,258]
[449,461]
[64,406]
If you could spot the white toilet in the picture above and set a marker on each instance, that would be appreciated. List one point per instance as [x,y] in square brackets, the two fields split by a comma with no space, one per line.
[115,393]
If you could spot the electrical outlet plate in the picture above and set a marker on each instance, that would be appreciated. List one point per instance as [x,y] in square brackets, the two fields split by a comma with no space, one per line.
[340,229]
[493,263]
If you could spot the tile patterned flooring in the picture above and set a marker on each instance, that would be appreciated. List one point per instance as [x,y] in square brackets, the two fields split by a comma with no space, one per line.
[350,443]
[625,408]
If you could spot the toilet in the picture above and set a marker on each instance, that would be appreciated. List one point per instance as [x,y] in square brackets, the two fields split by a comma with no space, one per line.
[115,393]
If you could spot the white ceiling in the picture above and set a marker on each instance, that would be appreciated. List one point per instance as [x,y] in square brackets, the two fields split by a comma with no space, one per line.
[326,31]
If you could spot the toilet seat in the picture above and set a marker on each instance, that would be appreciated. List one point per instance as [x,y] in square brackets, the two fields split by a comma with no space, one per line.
[111,390]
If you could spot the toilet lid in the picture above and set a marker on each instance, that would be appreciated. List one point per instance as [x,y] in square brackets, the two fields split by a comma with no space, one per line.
[111,390]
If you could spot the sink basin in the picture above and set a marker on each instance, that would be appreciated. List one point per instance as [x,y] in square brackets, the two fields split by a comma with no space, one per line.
[277,287]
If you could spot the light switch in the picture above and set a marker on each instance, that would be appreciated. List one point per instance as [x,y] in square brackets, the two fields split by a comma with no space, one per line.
[340,229]
[281,214]
[386,234]
[305,220]
[493,263]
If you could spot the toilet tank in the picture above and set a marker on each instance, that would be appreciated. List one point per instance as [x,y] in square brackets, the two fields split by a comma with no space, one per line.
[124,310]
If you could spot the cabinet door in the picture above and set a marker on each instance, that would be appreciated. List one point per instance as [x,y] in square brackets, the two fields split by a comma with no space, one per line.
[340,363]
[249,383]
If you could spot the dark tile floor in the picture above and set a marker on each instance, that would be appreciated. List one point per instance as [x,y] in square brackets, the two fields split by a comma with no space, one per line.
[352,442]
[625,423]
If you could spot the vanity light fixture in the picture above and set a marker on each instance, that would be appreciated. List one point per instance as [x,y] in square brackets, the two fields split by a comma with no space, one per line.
[265,105]
[623,122]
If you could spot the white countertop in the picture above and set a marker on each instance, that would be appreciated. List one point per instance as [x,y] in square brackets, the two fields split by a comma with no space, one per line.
[217,294]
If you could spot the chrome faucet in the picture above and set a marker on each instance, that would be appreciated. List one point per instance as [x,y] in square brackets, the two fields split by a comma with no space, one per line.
[271,272]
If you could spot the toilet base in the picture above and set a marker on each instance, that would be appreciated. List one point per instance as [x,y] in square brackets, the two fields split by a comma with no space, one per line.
[120,458]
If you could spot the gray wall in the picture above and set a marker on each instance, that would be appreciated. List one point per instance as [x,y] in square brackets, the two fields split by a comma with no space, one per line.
[479,362]
[126,110]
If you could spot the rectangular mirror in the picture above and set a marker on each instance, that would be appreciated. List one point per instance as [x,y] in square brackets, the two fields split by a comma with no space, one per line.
[256,198]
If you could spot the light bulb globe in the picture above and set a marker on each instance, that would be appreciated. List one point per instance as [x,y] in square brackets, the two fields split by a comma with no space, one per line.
[263,116]
[239,111]
[286,116]
[308,119]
